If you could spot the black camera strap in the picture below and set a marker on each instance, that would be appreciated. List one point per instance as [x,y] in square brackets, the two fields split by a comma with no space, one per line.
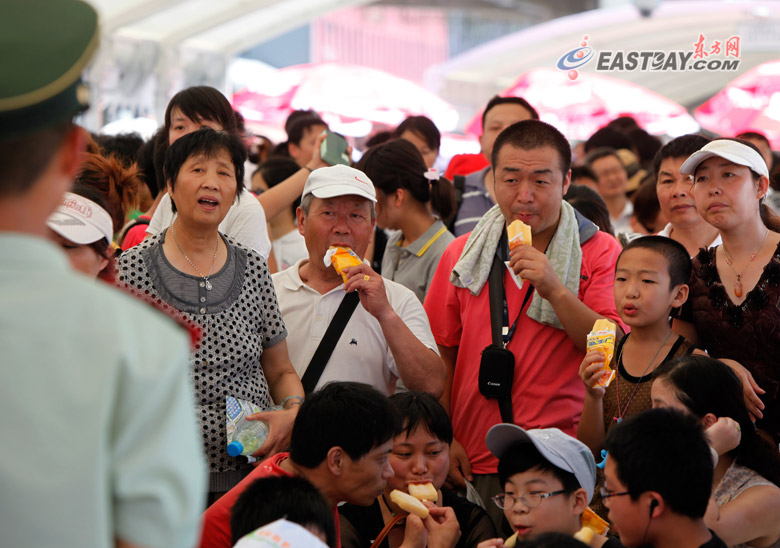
[500,329]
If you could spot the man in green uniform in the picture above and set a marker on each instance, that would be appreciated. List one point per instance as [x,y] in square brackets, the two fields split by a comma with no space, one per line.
[99,440]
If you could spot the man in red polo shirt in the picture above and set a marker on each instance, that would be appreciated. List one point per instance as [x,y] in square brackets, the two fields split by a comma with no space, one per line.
[340,443]
[568,272]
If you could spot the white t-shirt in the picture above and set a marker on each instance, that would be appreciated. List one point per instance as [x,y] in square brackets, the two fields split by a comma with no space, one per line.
[245,222]
[289,249]
[667,231]
[362,353]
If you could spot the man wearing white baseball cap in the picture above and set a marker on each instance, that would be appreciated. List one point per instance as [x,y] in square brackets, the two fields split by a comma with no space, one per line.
[385,334]
[83,228]
[548,478]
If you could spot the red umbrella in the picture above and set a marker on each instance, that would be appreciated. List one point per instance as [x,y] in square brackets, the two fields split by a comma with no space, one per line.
[579,107]
[750,102]
[343,95]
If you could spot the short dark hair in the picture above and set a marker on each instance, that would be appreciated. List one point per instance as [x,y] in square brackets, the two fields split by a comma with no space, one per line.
[534,134]
[297,115]
[124,146]
[398,164]
[603,152]
[497,100]
[276,169]
[350,415]
[680,147]
[202,103]
[24,159]
[664,450]
[678,261]
[268,499]
[299,127]
[591,205]
[607,137]
[208,142]
[706,385]
[421,410]
[582,172]
[523,457]
[422,126]
[645,145]
[646,204]
[745,135]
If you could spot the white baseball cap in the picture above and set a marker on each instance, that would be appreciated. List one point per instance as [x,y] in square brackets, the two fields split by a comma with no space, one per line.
[339,180]
[563,451]
[280,534]
[80,220]
[730,150]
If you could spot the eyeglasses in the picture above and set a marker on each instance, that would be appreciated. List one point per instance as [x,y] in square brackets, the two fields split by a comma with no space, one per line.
[529,500]
[606,493]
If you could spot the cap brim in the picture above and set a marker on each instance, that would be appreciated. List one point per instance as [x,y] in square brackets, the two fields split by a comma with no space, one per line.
[503,436]
[74,229]
[334,190]
[695,159]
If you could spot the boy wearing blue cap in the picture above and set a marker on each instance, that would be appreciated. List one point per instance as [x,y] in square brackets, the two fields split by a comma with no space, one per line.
[548,480]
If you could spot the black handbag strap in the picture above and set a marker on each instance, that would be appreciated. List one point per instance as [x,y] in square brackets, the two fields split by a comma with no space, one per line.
[328,343]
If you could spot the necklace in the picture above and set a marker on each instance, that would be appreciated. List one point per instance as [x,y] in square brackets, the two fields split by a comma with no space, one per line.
[621,413]
[213,259]
[738,281]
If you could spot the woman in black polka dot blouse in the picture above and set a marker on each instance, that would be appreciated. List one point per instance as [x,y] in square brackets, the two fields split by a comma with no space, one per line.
[225,290]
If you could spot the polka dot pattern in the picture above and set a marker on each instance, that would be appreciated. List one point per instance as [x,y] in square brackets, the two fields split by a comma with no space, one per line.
[226,361]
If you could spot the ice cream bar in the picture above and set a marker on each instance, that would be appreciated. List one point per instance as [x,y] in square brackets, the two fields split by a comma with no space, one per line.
[602,339]
[341,258]
[518,233]
[594,522]
[423,491]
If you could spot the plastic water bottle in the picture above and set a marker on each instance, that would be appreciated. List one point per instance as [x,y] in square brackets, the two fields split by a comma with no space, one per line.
[250,436]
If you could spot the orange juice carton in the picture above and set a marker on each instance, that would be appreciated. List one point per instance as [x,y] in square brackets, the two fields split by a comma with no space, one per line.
[602,339]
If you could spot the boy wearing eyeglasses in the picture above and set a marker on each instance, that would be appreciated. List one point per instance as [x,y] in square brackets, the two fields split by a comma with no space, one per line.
[658,481]
[548,480]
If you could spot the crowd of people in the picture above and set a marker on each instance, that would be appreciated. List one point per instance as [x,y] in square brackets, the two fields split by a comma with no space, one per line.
[441,355]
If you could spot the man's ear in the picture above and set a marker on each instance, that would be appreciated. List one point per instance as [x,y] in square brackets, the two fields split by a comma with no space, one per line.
[566,182]
[335,459]
[655,505]
[300,217]
[708,420]
[73,147]
[680,295]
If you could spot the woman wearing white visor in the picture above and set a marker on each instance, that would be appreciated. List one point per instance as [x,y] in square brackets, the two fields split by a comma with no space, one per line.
[83,228]
[732,310]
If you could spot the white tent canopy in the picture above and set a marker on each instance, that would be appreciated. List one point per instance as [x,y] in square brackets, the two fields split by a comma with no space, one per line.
[469,80]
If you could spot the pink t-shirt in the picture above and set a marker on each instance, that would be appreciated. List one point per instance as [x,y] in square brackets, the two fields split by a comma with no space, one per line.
[546,391]
[216,519]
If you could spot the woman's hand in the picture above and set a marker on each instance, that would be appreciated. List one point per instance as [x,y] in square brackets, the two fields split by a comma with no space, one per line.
[415,533]
[460,467]
[443,527]
[590,372]
[280,425]
[750,389]
[724,435]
